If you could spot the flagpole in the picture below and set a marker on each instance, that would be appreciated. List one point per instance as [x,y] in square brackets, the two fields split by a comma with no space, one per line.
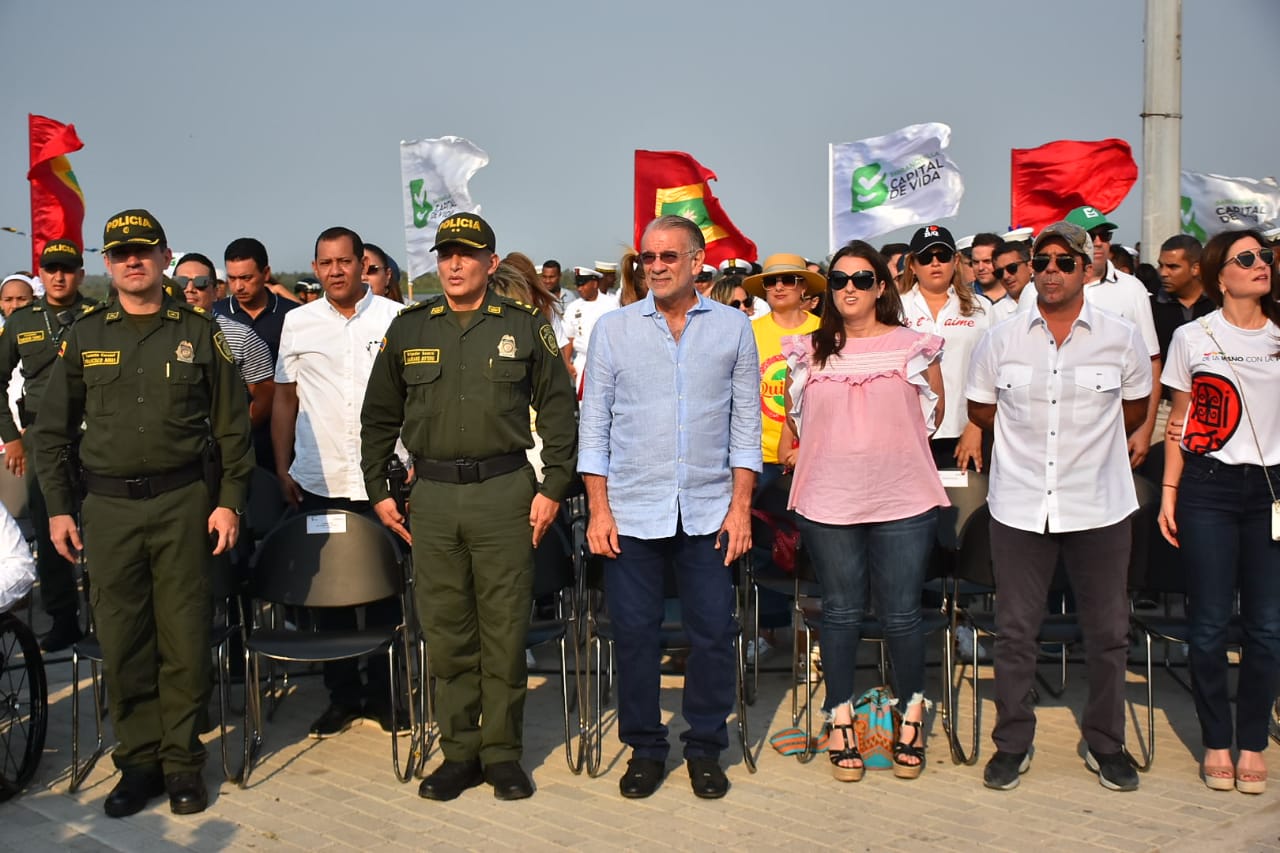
[1162,127]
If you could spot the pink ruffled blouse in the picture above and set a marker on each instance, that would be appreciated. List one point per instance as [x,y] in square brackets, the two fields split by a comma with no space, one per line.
[864,420]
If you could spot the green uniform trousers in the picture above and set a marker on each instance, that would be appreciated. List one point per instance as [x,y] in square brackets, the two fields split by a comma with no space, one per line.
[149,565]
[473,577]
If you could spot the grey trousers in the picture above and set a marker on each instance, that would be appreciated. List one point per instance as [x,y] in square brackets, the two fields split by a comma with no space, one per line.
[1097,564]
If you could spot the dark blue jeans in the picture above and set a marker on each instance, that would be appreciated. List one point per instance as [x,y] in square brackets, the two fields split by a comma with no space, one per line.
[1224,527]
[891,557]
[634,592]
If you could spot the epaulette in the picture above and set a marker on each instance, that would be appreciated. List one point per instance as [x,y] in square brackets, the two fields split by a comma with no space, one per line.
[422,303]
[89,308]
[524,306]
[196,310]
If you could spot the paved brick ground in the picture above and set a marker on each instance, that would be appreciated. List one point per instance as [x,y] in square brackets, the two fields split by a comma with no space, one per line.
[340,794]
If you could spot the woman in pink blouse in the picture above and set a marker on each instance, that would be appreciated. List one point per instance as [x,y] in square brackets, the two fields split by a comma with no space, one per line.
[865,393]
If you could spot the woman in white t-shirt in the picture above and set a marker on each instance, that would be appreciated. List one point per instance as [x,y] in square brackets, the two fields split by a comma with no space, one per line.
[1217,496]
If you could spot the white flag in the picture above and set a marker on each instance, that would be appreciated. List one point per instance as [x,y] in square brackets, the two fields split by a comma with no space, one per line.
[1213,203]
[893,181]
[435,174]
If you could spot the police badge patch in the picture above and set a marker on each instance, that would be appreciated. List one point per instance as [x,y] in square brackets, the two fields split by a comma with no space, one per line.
[224,349]
[185,352]
[507,346]
[548,336]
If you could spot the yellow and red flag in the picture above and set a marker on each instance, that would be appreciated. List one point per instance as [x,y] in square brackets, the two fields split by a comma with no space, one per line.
[57,204]
[672,182]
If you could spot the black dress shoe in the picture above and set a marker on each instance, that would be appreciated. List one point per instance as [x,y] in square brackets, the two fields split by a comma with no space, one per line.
[451,779]
[509,780]
[131,794]
[187,793]
[642,778]
[336,719]
[709,781]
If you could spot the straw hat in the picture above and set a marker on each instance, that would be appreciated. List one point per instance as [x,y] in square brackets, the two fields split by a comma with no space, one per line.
[785,264]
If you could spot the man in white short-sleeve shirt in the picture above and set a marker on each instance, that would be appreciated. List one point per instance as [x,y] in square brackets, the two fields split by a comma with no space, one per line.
[1062,385]
[1120,293]
[327,348]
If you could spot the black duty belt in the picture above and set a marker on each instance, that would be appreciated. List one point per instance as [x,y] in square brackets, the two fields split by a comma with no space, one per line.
[137,488]
[469,470]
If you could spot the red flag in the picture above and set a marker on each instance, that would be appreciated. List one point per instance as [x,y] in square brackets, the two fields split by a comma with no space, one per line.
[57,204]
[1049,181]
[672,182]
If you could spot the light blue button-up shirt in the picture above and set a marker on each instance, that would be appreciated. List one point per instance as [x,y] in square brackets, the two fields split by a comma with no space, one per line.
[666,422]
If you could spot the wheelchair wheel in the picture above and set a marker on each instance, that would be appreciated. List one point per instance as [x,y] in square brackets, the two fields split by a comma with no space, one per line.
[23,705]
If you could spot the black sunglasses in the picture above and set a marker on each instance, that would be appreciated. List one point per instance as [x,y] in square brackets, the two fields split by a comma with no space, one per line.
[372,269]
[1246,258]
[1066,263]
[943,255]
[862,279]
[1008,269]
[1102,235]
[199,282]
[789,280]
[742,303]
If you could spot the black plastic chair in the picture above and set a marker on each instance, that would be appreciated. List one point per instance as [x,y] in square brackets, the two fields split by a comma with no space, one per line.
[226,624]
[555,577]
[598,672]
[332,558]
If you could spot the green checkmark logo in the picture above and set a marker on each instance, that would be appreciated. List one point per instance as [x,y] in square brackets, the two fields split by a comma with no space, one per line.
[867,187]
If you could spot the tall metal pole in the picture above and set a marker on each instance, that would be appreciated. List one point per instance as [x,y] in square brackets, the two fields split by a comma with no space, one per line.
[1162,127]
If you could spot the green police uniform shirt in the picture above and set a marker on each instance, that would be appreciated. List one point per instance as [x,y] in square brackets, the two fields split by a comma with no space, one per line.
[151,391]
[30,339]
[465,393]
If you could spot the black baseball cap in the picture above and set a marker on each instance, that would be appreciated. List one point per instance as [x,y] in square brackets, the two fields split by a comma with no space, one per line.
[61,253]
[467,229]
[130,227]
[931,235]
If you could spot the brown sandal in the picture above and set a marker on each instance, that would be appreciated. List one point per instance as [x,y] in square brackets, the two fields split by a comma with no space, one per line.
[1218,777]
[909,749]
[848,753]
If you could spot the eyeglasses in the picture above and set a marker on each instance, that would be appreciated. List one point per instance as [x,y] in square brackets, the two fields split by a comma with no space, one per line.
[373,269]
[778,280]
[862,279]
[943,256]
[748,302]
[1102,235]
[199,282]
[668,258]
[1008,269]
[1066,263]
[1246,258]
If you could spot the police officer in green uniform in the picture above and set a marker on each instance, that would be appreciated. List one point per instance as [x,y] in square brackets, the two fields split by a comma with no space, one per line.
[30,340]
[458,373]
[154,382]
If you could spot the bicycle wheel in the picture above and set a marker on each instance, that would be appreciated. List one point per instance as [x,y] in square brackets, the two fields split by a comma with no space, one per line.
[23,705]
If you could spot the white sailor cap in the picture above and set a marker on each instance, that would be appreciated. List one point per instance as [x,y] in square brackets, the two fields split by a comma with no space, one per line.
[586,272]
[735,265]
[1272,233]
[965,244]
[1018,235]
[606,267]
[707,269]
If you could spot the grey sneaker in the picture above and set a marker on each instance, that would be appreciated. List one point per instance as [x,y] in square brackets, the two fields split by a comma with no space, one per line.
[1116,771]
[1005,769]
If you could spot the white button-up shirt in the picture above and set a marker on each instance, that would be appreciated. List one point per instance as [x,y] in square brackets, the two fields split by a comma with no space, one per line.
[1060,457]
[329,357]
[1117,292]
[961,334]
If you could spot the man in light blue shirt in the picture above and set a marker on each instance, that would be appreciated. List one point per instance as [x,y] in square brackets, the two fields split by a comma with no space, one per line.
[669,448]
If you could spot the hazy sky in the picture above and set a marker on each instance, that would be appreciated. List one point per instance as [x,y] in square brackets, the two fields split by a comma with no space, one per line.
[279,118]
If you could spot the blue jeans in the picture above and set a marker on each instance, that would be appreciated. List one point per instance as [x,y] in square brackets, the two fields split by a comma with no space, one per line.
[1224,527]
[634,593]
[891,557]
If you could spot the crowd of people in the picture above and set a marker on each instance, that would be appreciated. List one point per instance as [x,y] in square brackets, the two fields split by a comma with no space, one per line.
[672,392]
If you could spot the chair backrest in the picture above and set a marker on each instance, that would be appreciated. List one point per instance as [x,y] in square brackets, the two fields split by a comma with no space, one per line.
[973,560]
[954,520]
[13,493]
[266,504]
[553,559]
[1143,523]
[327,558]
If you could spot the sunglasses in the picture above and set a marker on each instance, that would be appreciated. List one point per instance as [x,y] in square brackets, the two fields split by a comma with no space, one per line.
[119,254]
[943,256]
[199,282]
[861,280]
[1246,258]
[1066,263]
[1008,269]
[1102,235]
[668,258]
[778,280]
[742,303]
[373,269]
